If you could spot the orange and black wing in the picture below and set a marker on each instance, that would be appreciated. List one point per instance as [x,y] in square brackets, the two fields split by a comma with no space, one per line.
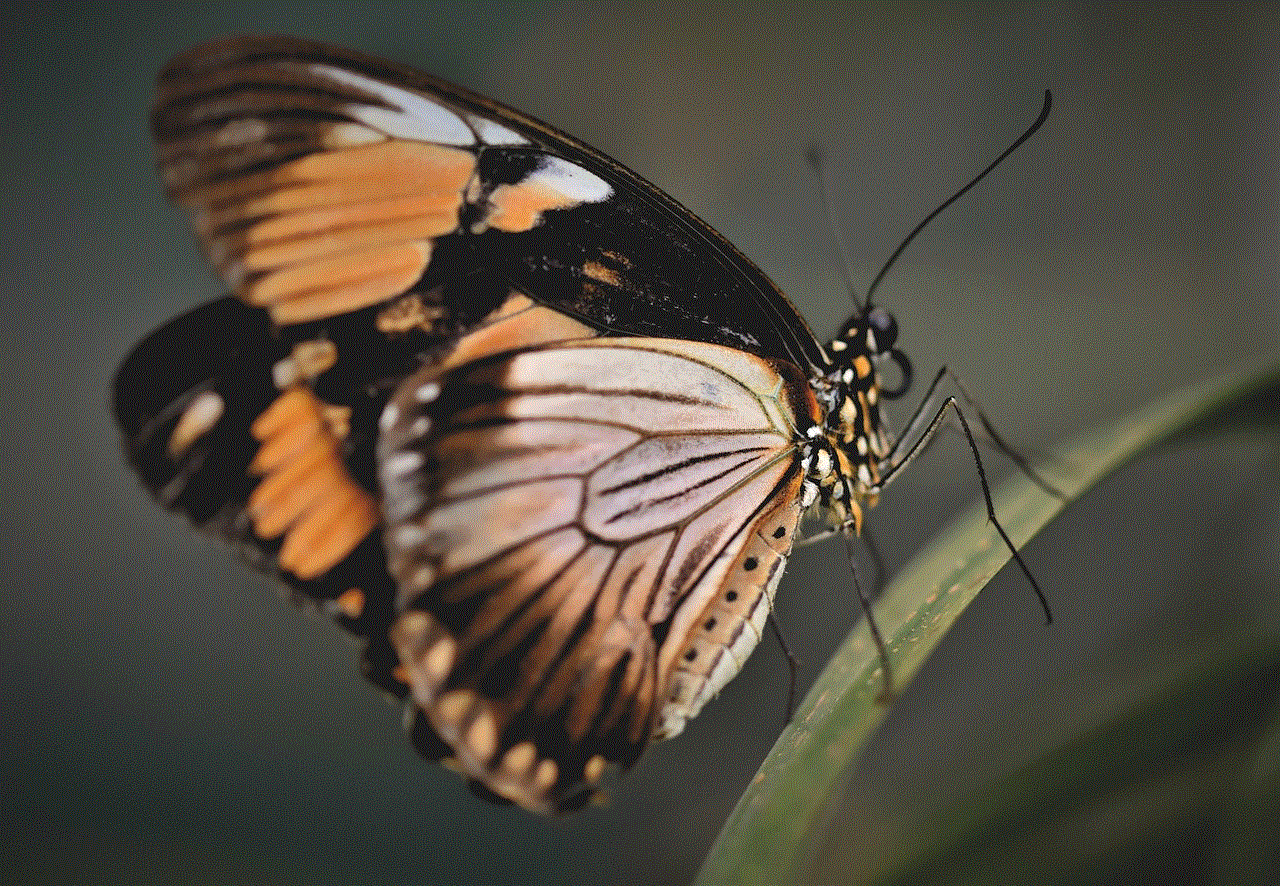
[374,223]
[366,217]
[269,445]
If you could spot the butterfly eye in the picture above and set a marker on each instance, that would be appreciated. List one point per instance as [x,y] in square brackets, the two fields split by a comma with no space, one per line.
[884,328]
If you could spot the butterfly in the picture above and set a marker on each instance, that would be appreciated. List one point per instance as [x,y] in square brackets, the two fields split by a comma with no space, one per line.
[512,415]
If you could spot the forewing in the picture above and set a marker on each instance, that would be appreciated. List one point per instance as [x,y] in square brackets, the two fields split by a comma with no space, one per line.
[552,515]
[324,182]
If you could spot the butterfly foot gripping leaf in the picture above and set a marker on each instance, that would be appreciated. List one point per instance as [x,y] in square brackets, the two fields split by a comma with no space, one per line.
[502,407]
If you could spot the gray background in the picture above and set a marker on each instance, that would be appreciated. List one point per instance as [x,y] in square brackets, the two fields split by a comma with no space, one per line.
[168,719]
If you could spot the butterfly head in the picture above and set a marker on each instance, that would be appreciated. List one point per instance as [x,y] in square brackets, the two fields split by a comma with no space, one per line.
[870,337]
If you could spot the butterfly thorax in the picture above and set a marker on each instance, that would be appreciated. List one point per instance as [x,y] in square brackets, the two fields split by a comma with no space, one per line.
[845,451]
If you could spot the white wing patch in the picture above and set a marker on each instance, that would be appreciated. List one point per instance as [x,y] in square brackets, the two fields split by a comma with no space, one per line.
[415,117]
[555,184]
[492,133]
[571,180]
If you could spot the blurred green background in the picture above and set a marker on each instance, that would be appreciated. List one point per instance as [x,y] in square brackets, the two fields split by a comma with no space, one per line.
[167,719]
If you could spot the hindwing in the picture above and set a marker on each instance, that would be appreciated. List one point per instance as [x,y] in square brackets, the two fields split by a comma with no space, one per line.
[559,520]
[269,444]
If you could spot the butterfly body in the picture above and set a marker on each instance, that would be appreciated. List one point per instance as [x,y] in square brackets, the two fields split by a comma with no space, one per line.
[503,408]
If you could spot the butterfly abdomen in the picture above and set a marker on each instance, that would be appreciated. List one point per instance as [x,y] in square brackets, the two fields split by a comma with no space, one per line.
[731,623]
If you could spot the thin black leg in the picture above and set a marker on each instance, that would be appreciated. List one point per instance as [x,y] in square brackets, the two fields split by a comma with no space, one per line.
[918,446]
[792,664]
[916,421]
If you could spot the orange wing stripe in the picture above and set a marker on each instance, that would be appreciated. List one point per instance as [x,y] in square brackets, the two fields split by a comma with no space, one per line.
[351,297]
[306,493]
[334,231]
[399,166]
[346,270]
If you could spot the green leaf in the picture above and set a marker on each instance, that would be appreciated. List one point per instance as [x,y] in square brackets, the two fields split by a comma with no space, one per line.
[1150,788]
[771,835]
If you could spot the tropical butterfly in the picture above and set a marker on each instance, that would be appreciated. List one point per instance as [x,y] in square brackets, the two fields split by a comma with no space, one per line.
[507,411]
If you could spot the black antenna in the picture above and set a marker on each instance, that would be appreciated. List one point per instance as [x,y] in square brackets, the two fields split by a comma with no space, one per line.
[906,241]
[819,163]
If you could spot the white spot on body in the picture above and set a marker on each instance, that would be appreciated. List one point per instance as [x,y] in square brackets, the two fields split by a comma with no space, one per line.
[822,463]
[427,392]
[389,417]
[808,494]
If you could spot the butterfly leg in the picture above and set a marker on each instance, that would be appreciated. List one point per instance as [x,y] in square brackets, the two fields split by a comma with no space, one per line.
[876,556]
[893,467]
[920,418]
[888,693]
[792,665]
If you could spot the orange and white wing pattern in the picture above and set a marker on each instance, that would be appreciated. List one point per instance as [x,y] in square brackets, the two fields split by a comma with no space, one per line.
[586,537]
